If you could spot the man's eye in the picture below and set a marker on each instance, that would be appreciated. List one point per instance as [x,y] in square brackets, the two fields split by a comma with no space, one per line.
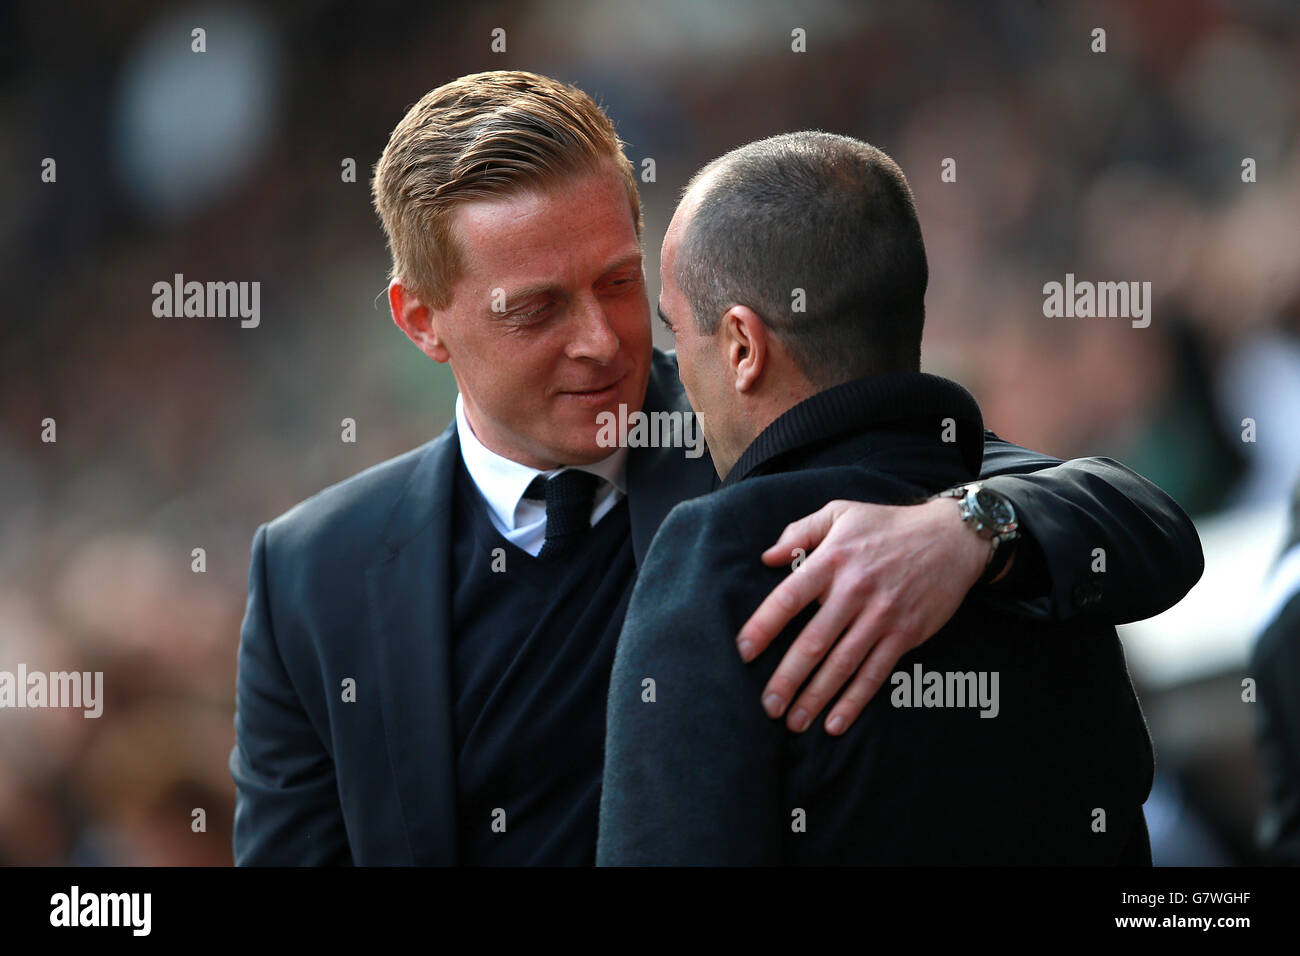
[532,311]
[620,284]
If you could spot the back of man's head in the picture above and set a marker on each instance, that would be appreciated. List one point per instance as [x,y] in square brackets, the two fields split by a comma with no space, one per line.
[817,233]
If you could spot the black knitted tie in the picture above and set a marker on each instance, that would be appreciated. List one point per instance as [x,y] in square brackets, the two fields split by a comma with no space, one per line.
[568,499]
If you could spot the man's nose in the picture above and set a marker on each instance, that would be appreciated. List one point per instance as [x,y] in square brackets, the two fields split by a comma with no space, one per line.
[593,337]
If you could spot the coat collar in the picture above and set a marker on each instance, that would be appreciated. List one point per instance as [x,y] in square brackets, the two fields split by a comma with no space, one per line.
[891,399]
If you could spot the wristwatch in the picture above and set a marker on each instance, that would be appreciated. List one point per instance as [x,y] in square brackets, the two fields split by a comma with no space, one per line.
[990,515]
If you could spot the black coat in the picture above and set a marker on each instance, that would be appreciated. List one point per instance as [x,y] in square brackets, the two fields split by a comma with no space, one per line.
[1054,770]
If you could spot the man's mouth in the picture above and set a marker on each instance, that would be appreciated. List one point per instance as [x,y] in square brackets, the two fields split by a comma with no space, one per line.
[602,393]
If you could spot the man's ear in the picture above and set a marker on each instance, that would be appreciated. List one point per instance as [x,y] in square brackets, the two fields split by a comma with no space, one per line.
[417,320]
[744,339]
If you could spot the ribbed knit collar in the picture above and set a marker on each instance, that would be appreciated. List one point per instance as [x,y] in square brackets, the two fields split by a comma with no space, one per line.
[863,404]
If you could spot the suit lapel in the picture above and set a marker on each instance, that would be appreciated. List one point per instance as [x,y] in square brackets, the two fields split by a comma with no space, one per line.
[660,478]
[410,605]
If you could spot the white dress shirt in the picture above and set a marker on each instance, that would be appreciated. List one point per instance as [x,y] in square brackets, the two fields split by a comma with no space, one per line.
[501,484]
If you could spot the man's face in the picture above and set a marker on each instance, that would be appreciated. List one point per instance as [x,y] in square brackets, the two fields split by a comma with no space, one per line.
[548,325]
[699,357]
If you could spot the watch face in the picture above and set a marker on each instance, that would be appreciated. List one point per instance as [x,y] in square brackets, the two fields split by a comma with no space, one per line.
[997,509]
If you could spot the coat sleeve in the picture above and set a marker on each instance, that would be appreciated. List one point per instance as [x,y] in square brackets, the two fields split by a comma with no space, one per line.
[691,760]
[287,810]
[1105,542]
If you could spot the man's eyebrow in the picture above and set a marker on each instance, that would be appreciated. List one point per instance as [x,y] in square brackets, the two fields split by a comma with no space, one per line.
[632,258]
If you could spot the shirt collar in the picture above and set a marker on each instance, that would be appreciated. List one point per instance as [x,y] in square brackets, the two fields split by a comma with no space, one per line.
[502,482]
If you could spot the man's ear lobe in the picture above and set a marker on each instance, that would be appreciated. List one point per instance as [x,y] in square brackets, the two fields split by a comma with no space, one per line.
[746,346]
[417,320]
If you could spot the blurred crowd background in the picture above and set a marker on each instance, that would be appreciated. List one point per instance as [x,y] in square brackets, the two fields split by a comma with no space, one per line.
[183,433]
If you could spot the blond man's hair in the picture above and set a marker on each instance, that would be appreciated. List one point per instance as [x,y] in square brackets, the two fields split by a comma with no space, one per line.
[483,136]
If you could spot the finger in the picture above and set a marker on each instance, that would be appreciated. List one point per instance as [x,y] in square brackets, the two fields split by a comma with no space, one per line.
[798,590]
[871,676]
[804,534]
[804,654]
[840,666]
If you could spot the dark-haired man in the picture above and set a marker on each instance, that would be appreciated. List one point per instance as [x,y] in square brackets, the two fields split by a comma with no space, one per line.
[999,740]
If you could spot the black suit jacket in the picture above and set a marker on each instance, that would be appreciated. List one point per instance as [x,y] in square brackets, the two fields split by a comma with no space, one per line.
[352,585]
[1054,770]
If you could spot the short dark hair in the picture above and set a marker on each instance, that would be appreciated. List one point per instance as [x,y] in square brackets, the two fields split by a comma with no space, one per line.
[827,214]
